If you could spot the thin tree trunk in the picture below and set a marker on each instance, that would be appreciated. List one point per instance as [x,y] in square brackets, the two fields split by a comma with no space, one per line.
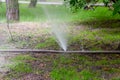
[12,13]
[33,3]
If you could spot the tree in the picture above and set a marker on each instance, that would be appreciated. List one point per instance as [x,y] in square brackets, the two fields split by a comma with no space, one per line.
[33,3]
[12,13]
[76,4]
[0,2]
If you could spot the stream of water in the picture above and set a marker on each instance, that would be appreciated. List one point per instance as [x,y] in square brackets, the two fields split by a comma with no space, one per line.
[58,28]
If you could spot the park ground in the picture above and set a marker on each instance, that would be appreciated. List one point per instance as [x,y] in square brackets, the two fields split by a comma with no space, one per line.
[93,30]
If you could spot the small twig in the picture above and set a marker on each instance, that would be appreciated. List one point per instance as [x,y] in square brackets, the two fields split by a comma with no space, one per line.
[8,23]
[9,31]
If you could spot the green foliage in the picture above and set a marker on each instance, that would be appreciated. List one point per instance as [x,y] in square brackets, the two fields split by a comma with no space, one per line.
[116,7]
[77,4]
[106,2]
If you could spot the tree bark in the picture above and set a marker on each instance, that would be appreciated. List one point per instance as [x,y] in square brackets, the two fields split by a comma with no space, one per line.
[12,13]
[33,3]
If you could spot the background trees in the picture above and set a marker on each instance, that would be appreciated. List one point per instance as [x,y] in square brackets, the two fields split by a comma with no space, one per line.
[12,6]
[77,4]
[33,3]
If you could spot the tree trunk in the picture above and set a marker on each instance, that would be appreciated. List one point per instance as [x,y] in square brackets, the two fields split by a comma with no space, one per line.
[33,3]
[12,13]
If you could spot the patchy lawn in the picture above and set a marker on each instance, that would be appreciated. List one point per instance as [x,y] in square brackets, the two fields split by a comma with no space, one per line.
[42,66]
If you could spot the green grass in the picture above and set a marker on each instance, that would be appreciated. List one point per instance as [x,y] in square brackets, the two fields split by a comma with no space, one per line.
[63,69]
[94,39]
[64,74]
[61,13]
[72,74]
[22,58]
[48,43]
[109,62]
[38,14]
[68,66]
[100,13]
[17,69]
[87,74]
[78,67]
[102,34]
[19,66]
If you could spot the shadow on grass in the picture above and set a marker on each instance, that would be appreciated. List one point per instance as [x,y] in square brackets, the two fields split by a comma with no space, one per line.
[113,23]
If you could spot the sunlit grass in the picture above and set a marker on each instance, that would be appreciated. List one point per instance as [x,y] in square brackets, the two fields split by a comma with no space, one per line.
[102,34]
[37,14]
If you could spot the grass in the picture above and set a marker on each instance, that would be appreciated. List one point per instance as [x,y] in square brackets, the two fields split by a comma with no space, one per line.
[109,62]
[64,74]
[22,58]
[78,67]
[103,34]
[19,66]
[49,42]
[99,13]
[62,13]
[94,39]
[18,69]
[68,67]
